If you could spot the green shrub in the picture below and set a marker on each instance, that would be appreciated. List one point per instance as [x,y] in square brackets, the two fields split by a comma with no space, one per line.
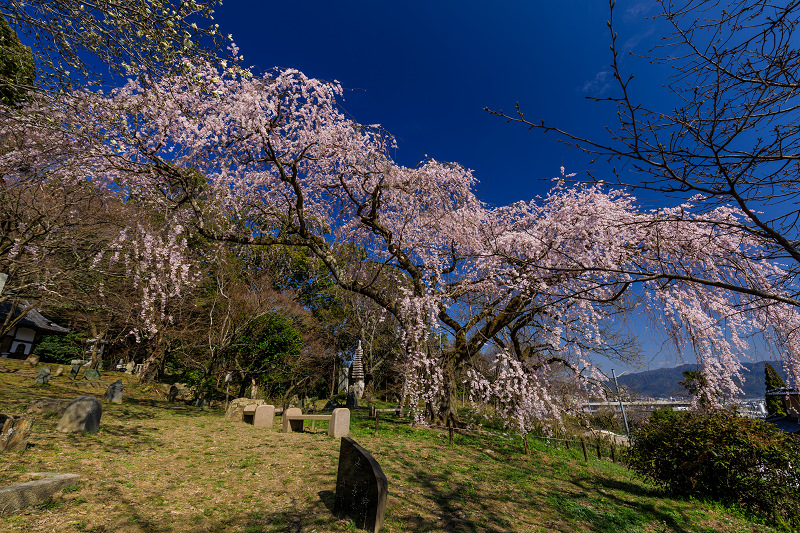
[723,457]
[59,348]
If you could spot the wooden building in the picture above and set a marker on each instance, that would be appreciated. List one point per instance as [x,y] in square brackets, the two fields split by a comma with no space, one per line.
[18,342]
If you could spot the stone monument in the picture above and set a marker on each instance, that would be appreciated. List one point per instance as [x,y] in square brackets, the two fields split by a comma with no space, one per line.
[44,376]
[81,416]
[357,373]
[361,487]
[114,392]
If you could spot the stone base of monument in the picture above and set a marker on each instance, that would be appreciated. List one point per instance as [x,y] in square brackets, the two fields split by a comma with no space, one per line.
[361,487]
[22,495]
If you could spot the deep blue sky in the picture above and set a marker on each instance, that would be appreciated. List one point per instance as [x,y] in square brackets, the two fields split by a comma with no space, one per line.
[425,70]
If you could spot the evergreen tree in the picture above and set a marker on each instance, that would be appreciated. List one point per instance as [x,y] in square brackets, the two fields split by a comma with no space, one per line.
[773,380]
[17,71]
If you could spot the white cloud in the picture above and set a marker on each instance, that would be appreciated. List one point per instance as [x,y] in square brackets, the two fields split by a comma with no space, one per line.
[600,84]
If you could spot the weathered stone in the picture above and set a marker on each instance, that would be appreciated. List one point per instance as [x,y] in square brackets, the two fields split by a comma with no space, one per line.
[32,360]
[236,407]
[114,392]
[14,434]
[47,405]
[81,416]
[352,401]
[59,371]
[129,367]
[361,487]
[92,374]
[44,376]
[73,374]
[264,416]
[22,495]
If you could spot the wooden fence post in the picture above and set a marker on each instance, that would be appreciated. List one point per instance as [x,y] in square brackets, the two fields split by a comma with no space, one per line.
[377,418]
[585,453]
[599,454]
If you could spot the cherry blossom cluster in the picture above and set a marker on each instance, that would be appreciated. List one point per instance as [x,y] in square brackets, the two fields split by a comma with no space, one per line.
[272,159]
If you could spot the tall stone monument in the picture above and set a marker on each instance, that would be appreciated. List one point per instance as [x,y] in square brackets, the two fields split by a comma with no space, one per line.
[361,487]
[357,373]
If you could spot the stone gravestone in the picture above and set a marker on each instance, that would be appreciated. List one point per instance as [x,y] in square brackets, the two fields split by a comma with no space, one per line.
[92,374]
[361,487]
[114,392]
[73,374]
[129,367]
[352,401]
[14,433]
[81,416]
[44,376]
[59,371]
[32,360]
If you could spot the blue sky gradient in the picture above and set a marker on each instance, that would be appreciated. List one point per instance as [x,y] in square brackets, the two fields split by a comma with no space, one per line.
[426,70]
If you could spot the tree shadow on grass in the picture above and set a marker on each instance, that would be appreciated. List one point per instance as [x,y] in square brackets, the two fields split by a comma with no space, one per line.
[627,511]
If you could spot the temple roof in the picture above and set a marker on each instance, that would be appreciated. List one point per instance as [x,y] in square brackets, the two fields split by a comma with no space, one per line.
[33,319]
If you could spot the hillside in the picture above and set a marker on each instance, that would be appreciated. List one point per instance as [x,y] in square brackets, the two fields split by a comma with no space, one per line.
[663,383]
[159,467]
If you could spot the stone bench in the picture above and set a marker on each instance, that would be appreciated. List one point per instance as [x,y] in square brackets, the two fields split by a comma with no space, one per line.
[261,416]
[338,421]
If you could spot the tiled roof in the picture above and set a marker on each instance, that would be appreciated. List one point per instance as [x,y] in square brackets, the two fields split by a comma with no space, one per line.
[33,319]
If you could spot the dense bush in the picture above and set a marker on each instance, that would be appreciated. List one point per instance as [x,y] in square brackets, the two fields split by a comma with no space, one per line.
[723,457]
[59,348]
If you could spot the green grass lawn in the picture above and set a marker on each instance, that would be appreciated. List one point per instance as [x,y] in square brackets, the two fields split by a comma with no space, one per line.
[156,466]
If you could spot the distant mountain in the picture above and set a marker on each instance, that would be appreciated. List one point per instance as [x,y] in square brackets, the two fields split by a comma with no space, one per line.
[663,383]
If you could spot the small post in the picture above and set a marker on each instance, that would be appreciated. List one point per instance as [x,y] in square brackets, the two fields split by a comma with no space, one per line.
[621,405]
[567,441]
[599,454]
[377,419]
[613,454]
[585,453]
[450,430]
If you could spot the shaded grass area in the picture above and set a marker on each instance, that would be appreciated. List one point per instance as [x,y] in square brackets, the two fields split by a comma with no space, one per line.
[155,466]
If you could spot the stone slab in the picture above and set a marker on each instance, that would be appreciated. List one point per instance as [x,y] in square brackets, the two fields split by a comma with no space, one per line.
[288,423]
[22,495]
[264,416]
[339,425]
[361,487]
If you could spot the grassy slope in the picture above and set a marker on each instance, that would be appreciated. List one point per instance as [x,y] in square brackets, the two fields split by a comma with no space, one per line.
[156,466]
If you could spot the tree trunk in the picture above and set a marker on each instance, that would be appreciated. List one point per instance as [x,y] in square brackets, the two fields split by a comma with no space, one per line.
[150,365]
[446,412]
